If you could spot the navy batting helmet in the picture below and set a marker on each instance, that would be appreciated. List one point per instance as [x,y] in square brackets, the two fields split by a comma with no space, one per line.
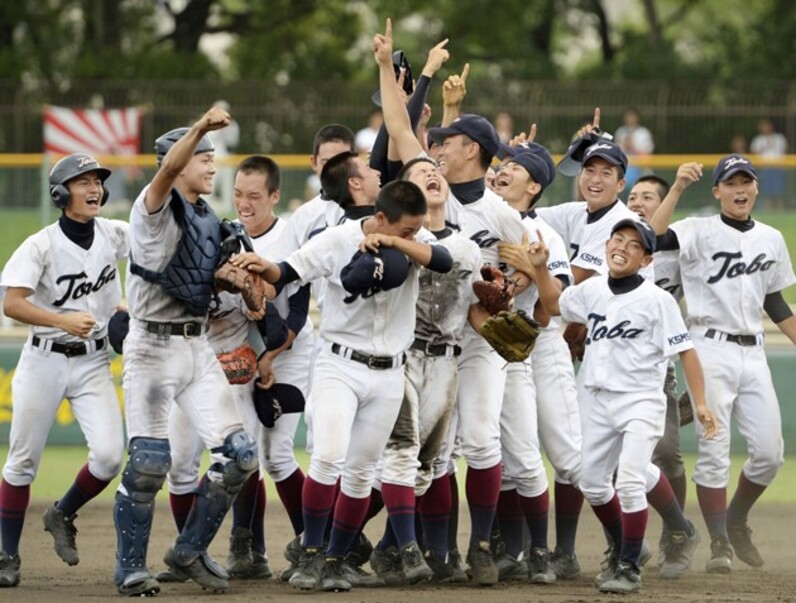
[70,167]
[165,141]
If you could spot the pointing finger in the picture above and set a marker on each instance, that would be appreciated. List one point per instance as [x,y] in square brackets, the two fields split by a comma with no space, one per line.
[465,72]
[596,121]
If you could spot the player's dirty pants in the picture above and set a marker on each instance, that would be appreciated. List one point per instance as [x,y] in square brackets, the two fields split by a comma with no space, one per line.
[522,461]
[667,454]
[41,381]
[353,412]
[557,405]
[423,425]
[738,387]
[620,433]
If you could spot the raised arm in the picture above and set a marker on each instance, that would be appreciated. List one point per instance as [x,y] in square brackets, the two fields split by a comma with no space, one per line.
[687,174]
[178,157]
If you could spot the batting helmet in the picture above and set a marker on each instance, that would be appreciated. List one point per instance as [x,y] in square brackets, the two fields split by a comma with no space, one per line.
[71,167]
[165,141]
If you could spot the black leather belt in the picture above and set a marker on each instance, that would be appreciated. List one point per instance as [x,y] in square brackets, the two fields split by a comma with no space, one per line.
[742,340]
[182,329]
[73,348]
[439,349]
[373,362]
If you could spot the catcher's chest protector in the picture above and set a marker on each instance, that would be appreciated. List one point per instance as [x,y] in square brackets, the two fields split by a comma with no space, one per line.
[190,274]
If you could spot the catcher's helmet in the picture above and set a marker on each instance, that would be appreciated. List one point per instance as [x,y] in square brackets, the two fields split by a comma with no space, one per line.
[71,167]
[165,141]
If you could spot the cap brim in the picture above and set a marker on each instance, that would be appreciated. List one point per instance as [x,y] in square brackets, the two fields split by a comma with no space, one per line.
[438,135]
[504,151]
[569,167]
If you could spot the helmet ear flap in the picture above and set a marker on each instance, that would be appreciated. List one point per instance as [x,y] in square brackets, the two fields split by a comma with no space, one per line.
[105,194]
[60,195]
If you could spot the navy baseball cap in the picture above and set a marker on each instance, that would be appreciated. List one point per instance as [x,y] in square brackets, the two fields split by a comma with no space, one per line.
[535,166]
[384,270]
[532,147]
[644,230]
[610,151]
[576,155]
[118,327]
[279,399]
[730,165]
[474,126]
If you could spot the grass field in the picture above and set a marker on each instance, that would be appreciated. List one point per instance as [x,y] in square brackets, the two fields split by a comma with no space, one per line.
[16,225]
[61,463]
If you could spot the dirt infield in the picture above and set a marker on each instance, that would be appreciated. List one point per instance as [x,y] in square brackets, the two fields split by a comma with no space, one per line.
[46,578]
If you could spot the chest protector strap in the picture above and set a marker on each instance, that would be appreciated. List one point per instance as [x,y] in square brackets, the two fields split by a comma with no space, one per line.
[190,274]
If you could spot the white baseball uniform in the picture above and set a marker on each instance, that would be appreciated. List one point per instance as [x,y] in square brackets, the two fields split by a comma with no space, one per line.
[637,330]
[482,371]
[65,278]
[354,407]
[726,274]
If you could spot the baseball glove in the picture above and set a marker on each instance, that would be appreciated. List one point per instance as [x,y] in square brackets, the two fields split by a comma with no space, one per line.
[686,411]
[511,334]
[496,291]
[250,285]
[240,365]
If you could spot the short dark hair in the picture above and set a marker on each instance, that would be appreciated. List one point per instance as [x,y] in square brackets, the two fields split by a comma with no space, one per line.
[400,198]
[332,133]
[484,158]
[663,186]
[334,178]
[261,164]
[403,173]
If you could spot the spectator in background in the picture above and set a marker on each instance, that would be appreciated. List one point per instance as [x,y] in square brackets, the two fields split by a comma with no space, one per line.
[770,145]
[367,136]
[226,142]
[635,140]
[739,144]
[504,125]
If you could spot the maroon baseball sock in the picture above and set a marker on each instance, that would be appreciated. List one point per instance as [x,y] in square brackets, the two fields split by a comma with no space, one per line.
[662,499]
[568,504]
[289,491]
[435,512]
[180,508]
[400,503]
[745,496]
[633,527]
[84,488]
[535,509]
[509,520]
[349,513]
[14,501]
[482,488]
[610,515]
[317,502]
[713,503]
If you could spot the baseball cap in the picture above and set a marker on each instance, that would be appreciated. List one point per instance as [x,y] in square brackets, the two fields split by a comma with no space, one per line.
[573,159]
[165,141]
[279,399]
[535,165]
[610,151]
[384,270]
[732,164]
[399,61]
[644,230]
[532,147]
[474,126]
[118,327]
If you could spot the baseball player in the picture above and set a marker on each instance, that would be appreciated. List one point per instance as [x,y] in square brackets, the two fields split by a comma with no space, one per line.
[551,392]
[733,268]
[637,325]
[358,378]
[257,182]
[645,197]
[442,309]
[62,281]
[175,248]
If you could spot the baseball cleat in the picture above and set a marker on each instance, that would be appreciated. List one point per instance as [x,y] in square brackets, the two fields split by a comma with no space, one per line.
[239,560]
[565,565]
[9,570]
[414,566]
[63,532]
[607,567]
[720,561]
[540,567]
[626,579]
[741,540]
[359,577]
[678,553]
[510,568]
[332,577]
[443,571]
[455,561]
[482,568]
[139,584]
[171,576]
[203,570]
[386,564]
[307,575]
